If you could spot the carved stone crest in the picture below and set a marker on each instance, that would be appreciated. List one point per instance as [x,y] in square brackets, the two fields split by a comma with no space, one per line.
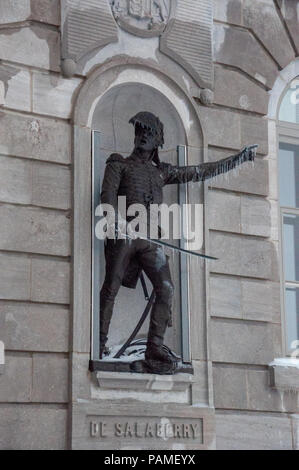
[145,18]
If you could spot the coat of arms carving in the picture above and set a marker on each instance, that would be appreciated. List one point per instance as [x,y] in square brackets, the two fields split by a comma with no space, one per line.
[144,18]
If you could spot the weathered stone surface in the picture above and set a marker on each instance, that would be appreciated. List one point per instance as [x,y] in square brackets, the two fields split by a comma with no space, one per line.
[252,431]
[228,11]
[25,427]
[248,388]
[31,327]
[229,384]
[295,429]
[50,378]
[254,130]
[15,87]
[86,25]
[37,138]
[45,11]
[31,45]
[14,277]
[235,90]
[261,16]
[51,185]
[243,298]
[243,342]
[290,12]
[15,180]
[255,216]
[54,95]
[230,45]
[223,127]
[86,417]
[189,39]
[285,378]
[243,256]
[34,230]
[239,214]
[50,281]
[15,383]
[224,211]
[251,180]
[262,397]
[29,182]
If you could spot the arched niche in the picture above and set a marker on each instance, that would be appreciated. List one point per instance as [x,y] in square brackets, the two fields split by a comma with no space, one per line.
[106,102]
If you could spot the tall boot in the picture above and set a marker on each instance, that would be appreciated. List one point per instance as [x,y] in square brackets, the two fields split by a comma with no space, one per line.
[106,311]
[158,324]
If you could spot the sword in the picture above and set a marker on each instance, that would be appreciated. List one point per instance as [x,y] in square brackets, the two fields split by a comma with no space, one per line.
[168,245]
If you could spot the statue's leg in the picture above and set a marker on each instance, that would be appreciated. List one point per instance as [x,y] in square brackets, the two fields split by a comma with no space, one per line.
[155,264]
[117,255]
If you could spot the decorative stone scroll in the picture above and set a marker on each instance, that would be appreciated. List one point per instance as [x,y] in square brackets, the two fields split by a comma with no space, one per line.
[188,39]
[86,25]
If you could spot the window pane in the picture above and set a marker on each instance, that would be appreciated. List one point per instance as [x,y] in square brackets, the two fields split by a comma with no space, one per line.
[291,247]
[289,109]
[292,315]
[289,175]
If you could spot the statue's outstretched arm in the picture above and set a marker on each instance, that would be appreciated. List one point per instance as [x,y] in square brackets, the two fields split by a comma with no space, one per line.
[204,171]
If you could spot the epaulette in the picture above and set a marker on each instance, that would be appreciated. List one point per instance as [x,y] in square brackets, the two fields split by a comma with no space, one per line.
[115,157]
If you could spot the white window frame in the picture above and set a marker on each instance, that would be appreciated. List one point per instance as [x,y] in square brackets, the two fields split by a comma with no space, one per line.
[287,133]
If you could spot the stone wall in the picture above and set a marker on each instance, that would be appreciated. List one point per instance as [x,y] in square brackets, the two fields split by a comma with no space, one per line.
[252,43]
[35,232]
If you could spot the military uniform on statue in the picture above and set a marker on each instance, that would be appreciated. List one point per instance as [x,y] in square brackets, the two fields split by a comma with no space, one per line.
[140,178]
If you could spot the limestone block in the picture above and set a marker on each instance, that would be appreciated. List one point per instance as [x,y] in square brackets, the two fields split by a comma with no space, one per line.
[223,127]
[45,11]
[82,377]
[28,182]
[224,211]
[230,45]
[15,180]
[15,383]
[290,12]
[254,130]
[252,431]
[54,95]
[261,16]
[248,388]
[285,377]
[51,185]
[243,298]
[25,427]
[37,138]
[230,386]
[34,230]
[228,11]
[31,45]
[262,397]
[243,342]
[248,179]
[255,216]
[50,281]
[295,426]
[14,277]
[235,90]
[50,378]
[15,88]
[243,256]
[34,327]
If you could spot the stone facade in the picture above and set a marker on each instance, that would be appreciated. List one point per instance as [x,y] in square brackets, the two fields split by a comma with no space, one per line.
[45,190]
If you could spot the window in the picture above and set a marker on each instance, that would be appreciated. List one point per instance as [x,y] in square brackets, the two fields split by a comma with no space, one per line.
[289,209]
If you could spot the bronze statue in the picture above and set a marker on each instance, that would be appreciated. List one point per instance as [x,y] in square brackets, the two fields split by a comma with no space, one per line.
[140,178]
